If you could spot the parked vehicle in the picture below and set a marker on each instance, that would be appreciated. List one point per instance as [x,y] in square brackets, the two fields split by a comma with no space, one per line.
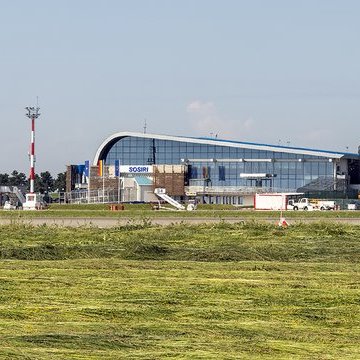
[354,205]
[290,201]
[307,204]
[323,204]
[302,204]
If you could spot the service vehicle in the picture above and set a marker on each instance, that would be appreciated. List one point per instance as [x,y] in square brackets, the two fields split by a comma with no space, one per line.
[290,201]
[311,204]
[354,205]
[301,204]
[319,204]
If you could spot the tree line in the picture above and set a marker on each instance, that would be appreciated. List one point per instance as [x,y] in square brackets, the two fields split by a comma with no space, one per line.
[44,183]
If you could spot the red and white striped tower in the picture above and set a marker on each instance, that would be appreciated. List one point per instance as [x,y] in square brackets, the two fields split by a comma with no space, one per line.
[32,113]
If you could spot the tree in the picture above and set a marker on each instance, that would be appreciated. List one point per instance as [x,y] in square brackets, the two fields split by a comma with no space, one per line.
[14,179]
[47,180]
[60,182]
[18,179]
[44,183]
[4,179]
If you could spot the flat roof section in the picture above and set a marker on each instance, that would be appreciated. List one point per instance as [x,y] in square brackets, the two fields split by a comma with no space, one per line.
[143,181]
[282,146]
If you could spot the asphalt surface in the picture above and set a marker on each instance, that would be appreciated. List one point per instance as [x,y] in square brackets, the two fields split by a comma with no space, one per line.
[103,222]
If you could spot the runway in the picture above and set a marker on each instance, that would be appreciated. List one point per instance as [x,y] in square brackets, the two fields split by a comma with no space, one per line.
[107,222]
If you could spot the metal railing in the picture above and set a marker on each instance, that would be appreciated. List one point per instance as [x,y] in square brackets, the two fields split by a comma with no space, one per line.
[239,190]
[100,196]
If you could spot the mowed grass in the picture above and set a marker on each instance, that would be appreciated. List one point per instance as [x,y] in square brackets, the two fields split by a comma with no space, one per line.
[141,211]
[240,291]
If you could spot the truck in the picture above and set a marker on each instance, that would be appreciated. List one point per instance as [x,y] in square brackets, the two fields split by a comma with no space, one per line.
[319,204]
[290,201]
[311,204]
[301,204]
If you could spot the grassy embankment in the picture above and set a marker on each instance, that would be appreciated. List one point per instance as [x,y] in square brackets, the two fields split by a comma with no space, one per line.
[242,291]
[145,211]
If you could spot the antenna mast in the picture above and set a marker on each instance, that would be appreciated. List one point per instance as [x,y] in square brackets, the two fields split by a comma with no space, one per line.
[145,126]
[32,114]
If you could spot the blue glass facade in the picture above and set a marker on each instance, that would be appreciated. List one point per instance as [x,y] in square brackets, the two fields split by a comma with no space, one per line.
[220,165]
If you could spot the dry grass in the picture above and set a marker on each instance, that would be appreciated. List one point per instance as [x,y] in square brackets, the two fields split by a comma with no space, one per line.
[242,291]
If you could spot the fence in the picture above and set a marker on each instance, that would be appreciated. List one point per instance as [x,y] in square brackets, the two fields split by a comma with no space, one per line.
[100,196]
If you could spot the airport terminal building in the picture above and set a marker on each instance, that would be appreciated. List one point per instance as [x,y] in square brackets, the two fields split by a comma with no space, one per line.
[218,171]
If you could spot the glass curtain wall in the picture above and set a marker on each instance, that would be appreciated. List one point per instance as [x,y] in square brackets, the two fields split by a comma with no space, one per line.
[214,165]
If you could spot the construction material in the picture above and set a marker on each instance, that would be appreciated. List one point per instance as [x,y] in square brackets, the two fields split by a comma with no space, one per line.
[170,177]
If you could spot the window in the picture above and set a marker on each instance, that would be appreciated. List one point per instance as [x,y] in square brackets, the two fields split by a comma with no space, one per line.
[221,173]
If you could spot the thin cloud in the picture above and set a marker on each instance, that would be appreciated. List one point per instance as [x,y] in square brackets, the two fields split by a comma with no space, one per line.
[248,124]
[204,117]
[202,108]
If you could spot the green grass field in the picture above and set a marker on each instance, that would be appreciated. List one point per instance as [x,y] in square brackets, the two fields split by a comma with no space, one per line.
[241,291]
[145,211]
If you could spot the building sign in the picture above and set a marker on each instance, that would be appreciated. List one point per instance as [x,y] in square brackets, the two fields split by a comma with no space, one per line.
[136,169]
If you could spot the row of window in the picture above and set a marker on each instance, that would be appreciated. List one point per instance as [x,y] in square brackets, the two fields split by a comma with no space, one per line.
[285,168]
[284,183]
[138,149]
[286,174]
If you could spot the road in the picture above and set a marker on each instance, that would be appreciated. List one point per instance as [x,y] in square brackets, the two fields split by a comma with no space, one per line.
[104,222]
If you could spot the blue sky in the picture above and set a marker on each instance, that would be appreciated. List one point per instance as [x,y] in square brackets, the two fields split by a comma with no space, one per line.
[278,72]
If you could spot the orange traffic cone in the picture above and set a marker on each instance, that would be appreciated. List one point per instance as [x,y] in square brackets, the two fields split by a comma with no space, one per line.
[283,223]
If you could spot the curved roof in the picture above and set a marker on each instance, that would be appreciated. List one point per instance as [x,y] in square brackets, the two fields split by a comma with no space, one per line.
[111,140]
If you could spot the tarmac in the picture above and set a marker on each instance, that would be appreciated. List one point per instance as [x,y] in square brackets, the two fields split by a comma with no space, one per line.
[104,222]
